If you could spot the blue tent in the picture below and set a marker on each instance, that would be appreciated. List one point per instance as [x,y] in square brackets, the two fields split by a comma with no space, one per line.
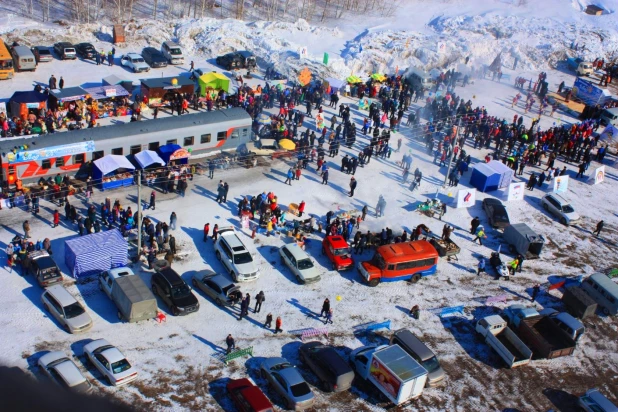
[335,84]
[92,254]
[491,176]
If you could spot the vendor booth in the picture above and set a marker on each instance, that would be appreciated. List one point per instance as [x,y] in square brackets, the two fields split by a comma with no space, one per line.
[23,104]
[148,158]
[158,90]
[213,81]
[494,175]
[114,80]
[354,79]
[335,85]
[174,154]
[105,101]
[112,171]
[590,93]
[95,253]
[58,97]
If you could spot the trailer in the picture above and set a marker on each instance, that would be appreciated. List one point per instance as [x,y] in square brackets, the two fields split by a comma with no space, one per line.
[523,240]
[578,302]
[545,338]
[504,341]
[133,298]
[445,248]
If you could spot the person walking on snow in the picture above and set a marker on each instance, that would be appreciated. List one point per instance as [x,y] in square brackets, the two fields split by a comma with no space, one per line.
[259,298]
[269,321]
[513,266]
[353,184]
[173,219]
[290,177]
[479,236]
[278,324]
[597,232]
[152,201]
[325,307]
[206,230]
[301,208]
[481,267]
[329,317]
[231,345]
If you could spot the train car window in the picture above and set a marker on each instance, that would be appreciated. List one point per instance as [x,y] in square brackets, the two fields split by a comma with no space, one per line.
[46,164]
[98,154]
[244,132]
[205,138]
[78,159]
[11,170]
[235,134]
[172,141]
[220,136]
[117,151]
[59,161]
[136,149]
[153,145]
[188,141]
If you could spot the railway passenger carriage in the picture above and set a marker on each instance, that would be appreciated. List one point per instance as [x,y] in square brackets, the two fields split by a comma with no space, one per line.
[33,157]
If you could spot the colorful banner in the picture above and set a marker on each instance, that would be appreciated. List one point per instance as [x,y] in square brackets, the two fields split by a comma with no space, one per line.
[384,377]
[180,154]
[599,175]
[303,53]
[561,184]
[364,103]
[516,191]
[466,197]
[51,152]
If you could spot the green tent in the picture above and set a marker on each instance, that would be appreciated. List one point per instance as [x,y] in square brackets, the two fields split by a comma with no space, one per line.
[354,79]
[213,80]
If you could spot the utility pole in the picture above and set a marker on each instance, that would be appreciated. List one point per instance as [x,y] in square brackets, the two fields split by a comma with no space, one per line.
[139,213]
[450,160]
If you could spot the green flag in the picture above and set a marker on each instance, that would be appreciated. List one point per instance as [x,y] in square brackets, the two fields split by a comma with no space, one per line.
[325,61]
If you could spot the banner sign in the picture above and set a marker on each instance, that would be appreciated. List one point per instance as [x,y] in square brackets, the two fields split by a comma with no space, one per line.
[561,184]
[51,152]
[516,191]
[599,175]
[364,103]
[180,154]
[587,91]
[303,52]
[466,198]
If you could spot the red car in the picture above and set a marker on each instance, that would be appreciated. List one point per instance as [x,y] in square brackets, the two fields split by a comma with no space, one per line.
[338,252]
[247,397]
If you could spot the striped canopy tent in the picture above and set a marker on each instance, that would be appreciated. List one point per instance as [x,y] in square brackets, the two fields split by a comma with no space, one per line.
[354,79]
[378,77]
[92,254]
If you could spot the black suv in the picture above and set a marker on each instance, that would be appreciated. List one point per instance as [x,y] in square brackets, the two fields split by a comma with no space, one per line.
[86,50]
[65,50]
[176,294]
[154,57]
[247,59]
[237,60]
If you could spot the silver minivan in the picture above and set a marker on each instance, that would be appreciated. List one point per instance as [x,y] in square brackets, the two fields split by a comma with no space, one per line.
[422,354]
[23,58]
[604,291]
[66,309]
[172,52]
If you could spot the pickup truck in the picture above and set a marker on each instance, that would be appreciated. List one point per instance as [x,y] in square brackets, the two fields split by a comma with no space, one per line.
[128,291]
[515,313]
[504,341]
[392,370]
[580,66]
[545,338]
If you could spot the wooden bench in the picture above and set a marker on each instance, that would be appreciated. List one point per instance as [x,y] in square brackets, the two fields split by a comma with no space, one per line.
[237,354]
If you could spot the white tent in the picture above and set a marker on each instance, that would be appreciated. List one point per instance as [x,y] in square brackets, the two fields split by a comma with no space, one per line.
[109,163]
[146,158]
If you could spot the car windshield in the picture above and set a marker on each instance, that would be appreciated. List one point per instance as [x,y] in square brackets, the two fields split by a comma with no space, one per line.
[120,366]
[305,264]
[180,291]
[175,51]
[342,251]
[73,310]
[300,389]
[431,364]
[378,261]
[568,209]
[69,50]
[44,51]
[241,258]
[6,64]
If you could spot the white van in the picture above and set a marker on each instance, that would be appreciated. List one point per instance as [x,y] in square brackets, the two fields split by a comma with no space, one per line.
[172,52]
[23,58]
[604,291]
[418,79]
[609,116]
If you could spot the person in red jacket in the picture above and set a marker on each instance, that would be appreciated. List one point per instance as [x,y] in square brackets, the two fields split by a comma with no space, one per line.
[301,208]
[278,324]
[206,230]
[56,218]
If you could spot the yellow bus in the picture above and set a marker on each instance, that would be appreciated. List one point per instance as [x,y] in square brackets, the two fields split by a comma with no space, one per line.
[6,62]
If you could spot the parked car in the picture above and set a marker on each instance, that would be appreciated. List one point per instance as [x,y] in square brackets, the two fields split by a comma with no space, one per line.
[65,50]
[247,397]
[299,263]
[45,269]
[66,309]
[86,50]
[108,360]
[176,294]
[595,401]
[561,208]
[515,313]
[247,59]
[229,61]
[262,147]
[154,57]
[496,213]
[422,354]
[63,371]
[173,52]
[338,252]
[135,62]
[288,383]
[571,326]
[333,371]
[217,287]
[133,298]
[42,54]
[234,255]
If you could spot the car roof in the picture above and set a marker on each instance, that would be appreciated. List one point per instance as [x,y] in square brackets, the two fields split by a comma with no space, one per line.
[232,239]
[120,272]
[407,340]
[61,295]
[221,281]
[52,357]
[171,276]
[291,376]
[112,355]
[296,251]
[41,48]
[86,44]
[136,55]
[45,262]
[332,359]
[337,241]
[251,393]
[70,372]
[492,201]
[558,198]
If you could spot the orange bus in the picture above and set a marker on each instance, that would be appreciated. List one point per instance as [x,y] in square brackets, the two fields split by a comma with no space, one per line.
[400,261]
[6,62]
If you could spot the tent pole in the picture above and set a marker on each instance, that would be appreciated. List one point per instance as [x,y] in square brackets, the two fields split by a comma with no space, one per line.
[139,214]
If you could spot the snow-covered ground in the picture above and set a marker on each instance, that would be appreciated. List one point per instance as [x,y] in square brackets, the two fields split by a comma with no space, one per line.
[179,369]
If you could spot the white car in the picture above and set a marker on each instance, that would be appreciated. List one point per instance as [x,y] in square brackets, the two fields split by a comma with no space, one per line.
[62,370]
[110,362]
[66,309]
[299,263]
[561,208]
[230,251]
[135,62]
[262,147]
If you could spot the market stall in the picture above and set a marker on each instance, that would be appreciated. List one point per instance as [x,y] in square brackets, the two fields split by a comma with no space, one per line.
[95,253]
[335,85]
[106,101]
[61,97]
[112,171]
[174,154]
[23,104]
[148,158]
[494,175]
[212,82]
[159,90]
[354,79]
[114,80]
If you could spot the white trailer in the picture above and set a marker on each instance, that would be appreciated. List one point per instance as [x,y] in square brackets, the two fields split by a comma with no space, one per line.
[504,341]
